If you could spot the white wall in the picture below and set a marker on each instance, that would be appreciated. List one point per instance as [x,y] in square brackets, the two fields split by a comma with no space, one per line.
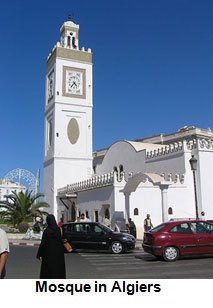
[147,198]
[123,153]
[94,199]
[204,176]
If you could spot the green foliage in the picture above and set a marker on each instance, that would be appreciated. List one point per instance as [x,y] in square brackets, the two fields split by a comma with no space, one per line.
[21,208]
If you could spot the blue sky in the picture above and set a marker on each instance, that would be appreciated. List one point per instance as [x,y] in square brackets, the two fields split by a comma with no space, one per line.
[153,69]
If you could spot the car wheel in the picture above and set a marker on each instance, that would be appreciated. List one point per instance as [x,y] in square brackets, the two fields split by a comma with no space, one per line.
[117,247]
[171,253]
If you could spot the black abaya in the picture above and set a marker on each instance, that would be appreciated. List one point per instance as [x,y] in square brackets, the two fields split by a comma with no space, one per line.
[51,250]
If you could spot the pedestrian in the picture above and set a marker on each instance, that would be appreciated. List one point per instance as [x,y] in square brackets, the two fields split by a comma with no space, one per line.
[61,222]
[202,215]
[83,218]
[131,227]
[107,222]
[51,252]
[36,227]
[147,223]
[4,250]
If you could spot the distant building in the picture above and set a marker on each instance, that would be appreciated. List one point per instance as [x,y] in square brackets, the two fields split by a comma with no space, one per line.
[7,186]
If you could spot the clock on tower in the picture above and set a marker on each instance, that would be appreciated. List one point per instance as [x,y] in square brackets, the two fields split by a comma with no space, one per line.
[74,81]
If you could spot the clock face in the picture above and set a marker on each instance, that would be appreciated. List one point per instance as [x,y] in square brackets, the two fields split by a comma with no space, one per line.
[50,86]
[74,82]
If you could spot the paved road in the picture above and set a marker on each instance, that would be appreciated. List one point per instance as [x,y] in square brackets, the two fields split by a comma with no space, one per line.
[93,265]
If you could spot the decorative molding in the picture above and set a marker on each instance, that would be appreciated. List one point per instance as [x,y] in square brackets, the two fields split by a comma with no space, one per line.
[92,183]
[107,180]
[182,179]
[67,52]
[164,150]
[206,144]
[177,178]
[191,144]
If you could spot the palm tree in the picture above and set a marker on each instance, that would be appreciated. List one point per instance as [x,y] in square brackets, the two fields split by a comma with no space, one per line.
[20,208]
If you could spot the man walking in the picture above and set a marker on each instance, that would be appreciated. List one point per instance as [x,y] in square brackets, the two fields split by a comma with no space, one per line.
[4,249]
[147,223]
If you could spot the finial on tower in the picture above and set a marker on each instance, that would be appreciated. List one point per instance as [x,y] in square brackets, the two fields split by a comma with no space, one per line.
[70,16]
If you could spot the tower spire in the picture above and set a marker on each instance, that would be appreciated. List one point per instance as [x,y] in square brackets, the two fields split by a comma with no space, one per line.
[70,16]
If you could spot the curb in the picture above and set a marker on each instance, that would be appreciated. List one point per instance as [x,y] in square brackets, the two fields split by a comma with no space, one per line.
[38,244]
[32,244]
[24,244]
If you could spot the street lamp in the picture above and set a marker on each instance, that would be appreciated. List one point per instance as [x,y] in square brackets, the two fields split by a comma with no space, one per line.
[193,164]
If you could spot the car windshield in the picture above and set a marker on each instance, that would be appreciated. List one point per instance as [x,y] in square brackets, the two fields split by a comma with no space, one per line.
[105,228]
[158,228]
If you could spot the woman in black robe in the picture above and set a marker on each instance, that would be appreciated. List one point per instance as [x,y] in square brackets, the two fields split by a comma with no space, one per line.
[51,252]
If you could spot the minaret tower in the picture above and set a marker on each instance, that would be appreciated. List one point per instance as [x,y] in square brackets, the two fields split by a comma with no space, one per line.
[68,114]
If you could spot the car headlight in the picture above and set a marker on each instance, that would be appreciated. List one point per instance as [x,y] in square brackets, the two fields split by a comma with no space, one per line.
[127,238]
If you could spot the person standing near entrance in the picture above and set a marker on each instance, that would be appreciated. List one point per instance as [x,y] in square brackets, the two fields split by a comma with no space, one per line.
[106,219]
[148,223]
[131,227]
[83,218]
[4,250]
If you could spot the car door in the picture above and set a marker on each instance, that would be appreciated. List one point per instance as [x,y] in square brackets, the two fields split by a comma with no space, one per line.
[204,236]
[182,236]
[79,237]
[97,237]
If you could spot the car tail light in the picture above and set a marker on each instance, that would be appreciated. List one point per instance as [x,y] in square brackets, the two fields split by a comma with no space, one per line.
[148,238]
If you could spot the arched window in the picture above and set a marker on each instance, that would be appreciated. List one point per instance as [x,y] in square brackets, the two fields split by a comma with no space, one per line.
[121,170]
[107,213]
[115,169]
[170,211]
[136,212]
[73,43]
[68,41]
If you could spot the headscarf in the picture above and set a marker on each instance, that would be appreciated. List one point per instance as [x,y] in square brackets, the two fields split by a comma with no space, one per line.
[51,222]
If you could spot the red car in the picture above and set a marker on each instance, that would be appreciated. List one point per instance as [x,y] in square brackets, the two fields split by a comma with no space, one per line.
[177,238]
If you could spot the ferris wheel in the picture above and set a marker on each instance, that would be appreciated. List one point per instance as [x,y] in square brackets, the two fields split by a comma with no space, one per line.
[25,178]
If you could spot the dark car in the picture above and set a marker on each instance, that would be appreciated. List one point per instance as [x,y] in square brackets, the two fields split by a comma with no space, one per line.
[173,239]
[92,235]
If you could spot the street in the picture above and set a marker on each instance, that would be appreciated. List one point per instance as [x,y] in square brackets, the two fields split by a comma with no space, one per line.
[22,263]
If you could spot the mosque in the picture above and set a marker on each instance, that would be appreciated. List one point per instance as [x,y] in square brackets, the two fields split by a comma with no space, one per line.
[130,178]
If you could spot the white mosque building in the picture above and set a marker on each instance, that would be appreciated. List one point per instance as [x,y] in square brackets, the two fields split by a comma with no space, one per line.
[130,178]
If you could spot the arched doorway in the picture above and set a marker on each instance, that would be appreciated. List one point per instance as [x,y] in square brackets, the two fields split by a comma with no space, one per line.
[156,180]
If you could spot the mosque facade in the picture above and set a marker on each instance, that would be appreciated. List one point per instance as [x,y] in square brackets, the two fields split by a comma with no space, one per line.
[130,178]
